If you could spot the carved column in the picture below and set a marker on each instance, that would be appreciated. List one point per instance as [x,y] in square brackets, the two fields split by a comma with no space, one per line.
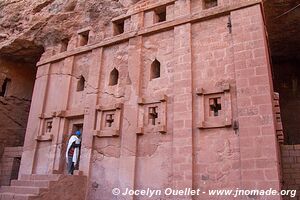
[90,110]
[183,136]
[129,141]
[37,107]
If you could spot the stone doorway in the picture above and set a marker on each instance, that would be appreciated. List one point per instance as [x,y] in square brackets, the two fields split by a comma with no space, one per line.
[74,125]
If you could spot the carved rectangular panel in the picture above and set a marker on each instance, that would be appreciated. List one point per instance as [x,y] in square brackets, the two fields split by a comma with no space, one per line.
[152,115]
[215,107]
[108,121]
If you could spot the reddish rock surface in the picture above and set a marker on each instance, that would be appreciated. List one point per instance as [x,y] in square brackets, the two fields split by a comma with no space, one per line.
[168,93]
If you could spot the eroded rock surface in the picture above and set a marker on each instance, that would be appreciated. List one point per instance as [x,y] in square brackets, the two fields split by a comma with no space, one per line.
[28,26]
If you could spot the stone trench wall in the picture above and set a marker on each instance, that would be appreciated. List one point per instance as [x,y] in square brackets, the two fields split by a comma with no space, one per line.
[15,104]
[14,109]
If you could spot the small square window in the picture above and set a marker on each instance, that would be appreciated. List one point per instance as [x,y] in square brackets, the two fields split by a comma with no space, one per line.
[118,27]
[160,14]
[210,3]
[64,45]
[83,38]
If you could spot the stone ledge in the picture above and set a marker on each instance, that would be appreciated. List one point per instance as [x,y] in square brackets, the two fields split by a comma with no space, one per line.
[44,138]
[168,2]
[161,129]
[106,133]
[218,124]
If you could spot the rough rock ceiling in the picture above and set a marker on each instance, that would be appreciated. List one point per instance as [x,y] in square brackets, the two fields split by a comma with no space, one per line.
[42,23]
[283,25]
[28,26]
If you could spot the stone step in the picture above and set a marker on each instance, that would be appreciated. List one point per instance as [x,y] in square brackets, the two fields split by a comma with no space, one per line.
[46,177]
[12,196]
[31,183]
[21,190]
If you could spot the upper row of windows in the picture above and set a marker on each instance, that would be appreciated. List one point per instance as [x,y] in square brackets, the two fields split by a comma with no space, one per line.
[159,15]
[155,72]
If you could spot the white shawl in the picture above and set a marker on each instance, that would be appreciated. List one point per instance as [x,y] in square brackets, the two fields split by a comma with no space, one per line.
[72,139]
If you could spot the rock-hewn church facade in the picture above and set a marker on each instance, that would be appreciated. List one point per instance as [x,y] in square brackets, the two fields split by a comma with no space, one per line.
[178,94]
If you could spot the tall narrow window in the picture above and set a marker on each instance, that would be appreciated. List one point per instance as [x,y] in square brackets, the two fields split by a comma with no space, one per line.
[210,3]
[83,38]
[80,84]
[5,86]
[160,15]
[155,69]
[114,77]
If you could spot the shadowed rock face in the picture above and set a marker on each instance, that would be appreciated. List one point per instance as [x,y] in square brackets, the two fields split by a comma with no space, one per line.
[283,19]
[39,24]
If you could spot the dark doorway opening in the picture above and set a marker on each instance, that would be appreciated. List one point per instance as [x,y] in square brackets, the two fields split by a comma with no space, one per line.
[15,168]
[75,128]
[5,87]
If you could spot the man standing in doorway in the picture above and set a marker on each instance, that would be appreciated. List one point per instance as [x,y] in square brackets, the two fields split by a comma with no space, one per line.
[72,152]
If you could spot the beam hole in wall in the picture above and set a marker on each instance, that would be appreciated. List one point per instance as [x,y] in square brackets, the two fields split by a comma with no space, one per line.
[160,14]
[155,69]
[83,38]
[118,27]
[80,84]
[210,3]
[114,77]
[5,87]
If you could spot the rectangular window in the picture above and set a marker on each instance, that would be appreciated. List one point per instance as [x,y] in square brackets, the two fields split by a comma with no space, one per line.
[64,45]
[83,38]
[160,14]
[118,27]
[210,3]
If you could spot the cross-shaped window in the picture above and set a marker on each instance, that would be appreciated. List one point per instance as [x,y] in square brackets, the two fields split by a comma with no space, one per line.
[109,120]
[215,106]
[153,115]
[48,126]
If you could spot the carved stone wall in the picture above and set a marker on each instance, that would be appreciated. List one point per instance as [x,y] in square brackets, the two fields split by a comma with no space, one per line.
[170,97]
